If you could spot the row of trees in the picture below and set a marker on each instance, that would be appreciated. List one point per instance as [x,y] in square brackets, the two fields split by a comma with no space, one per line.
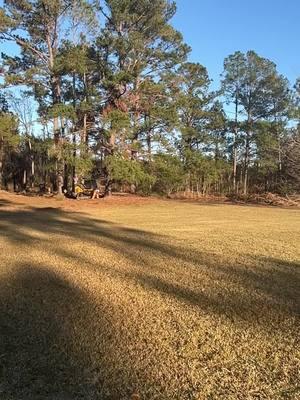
[105,90]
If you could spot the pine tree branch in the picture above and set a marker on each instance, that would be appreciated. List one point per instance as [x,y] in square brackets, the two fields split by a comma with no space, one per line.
[24,44]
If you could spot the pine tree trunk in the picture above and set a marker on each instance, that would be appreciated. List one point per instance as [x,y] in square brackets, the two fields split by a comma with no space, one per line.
[56,92]
[74,137]
[84,130]
[24,178]
[234,167]
[32,169]
[1,163]
[57,138]
[32,172]
[149,149]
[1,174]
[247,153]
[247,156]
[279,156]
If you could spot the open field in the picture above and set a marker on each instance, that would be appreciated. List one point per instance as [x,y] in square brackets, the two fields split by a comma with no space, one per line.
[161,299]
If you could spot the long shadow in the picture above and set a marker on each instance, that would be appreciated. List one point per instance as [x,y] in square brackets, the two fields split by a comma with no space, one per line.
[50,332]
[255,297]
[275,282]
[4,202]
[50,329]
[36,355]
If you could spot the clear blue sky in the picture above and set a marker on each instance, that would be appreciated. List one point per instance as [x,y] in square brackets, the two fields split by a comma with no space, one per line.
[217,28]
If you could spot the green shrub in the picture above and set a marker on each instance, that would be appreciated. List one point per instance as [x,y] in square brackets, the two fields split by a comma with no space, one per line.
[169,173]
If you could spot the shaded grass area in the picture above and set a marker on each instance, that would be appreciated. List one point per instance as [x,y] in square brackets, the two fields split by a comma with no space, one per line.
[168,302]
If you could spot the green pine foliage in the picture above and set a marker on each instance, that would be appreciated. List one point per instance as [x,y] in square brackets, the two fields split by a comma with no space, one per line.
[116,98]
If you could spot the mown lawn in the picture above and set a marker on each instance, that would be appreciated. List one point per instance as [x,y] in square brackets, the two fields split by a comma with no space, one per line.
[154,300]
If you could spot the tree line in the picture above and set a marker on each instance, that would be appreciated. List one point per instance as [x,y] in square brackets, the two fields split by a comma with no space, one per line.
[105,91]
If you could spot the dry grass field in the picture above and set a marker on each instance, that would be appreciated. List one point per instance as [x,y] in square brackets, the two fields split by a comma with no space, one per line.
[157,299]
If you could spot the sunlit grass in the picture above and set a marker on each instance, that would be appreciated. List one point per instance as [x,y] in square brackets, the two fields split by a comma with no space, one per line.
[166,300]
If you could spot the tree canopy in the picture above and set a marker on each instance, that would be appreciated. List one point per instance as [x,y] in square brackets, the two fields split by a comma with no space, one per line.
[108,93]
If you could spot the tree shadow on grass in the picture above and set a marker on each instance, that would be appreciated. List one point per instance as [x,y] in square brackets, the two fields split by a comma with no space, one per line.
[275,282]
[50,331]
[59,342]
[4,202]
[264,298]
[45,319]
[36,359]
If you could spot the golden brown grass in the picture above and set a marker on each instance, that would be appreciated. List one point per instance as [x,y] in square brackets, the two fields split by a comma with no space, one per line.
[155,300]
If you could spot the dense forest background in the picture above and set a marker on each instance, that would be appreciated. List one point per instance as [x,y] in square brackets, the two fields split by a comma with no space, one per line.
[104,92]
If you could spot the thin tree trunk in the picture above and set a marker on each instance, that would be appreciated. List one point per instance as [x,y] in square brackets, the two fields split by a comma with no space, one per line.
[32,172]
[57,136]
[136,117]
[234,167]
[74,136]
[1,163]
[24,178]
[247,153]
[149,149]
[108,184]
[56,93]
[84,131]
[247,156]
[279,155]
[1,174]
